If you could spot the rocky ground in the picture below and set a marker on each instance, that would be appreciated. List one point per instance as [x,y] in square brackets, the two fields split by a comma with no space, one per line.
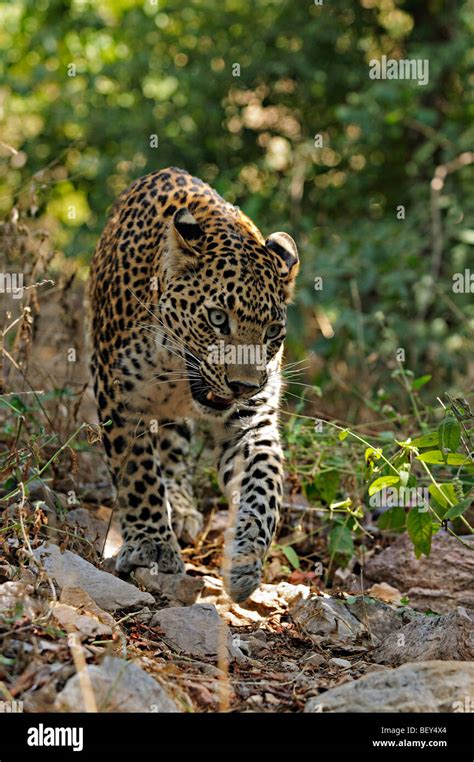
[74,636]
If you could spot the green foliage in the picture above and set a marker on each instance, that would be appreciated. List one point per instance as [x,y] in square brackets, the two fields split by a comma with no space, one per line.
[86,85]
[449,434]
[420,529]
[291,556]
[340,541]
[419,493]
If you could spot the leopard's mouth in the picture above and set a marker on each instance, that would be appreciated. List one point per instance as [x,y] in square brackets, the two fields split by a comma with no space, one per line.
[209,399]
[203,394]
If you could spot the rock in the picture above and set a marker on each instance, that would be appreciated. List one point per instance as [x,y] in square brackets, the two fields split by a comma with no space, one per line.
[385,593]
[213,589]
[181,588]
[266,600]
[251,643]
[315,660]
[434,686]
[278,597]
[339,663]
[39,492]
[70,570]
[369,668]
[440,583]
[75,596]
[326,620]
[98,493]
[255,701]
[118,686]
[271,699]
[355,619]
[77,612]
[291,666]
[447,637]
[95,531]
[16,600]
[379,618]
[8,572]
[71,620]
[194,629]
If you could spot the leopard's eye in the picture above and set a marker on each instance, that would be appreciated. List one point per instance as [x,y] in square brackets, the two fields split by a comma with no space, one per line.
[273,331]
[217,318]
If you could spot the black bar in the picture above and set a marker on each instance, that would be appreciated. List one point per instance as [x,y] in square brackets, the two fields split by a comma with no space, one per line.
[105,734]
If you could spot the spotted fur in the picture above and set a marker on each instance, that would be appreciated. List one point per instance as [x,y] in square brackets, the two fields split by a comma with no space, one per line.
[175,259]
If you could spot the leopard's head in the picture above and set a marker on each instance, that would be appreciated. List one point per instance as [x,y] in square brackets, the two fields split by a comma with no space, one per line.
[223,304]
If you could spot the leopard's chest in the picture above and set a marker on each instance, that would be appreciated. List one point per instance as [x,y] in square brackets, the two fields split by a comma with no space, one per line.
[156,384]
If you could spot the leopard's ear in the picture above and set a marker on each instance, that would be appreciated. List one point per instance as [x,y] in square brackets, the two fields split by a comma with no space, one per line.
[187,229]
[286,257]
[185,238]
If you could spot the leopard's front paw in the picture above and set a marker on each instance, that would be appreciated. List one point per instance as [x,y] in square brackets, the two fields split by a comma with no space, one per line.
[169,558]
[186,519]
[133,554]
[243,578]
[148,552]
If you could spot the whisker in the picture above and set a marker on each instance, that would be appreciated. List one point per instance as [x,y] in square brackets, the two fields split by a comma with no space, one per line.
[154,316]
[300,383]
[161,331]
[172,335]
[297,362]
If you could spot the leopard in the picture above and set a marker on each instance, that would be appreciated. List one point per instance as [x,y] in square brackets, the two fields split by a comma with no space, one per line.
[188,307]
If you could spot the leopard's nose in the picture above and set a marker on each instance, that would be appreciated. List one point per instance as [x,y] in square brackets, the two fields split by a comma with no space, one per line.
[242,387]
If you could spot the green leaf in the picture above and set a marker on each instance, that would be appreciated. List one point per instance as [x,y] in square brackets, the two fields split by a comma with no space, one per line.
[449,434]
[381,482]
[437,458]
[461,408]
[420,529]
[340,541]
[393,519]
[327,484]
[372,454]
[343,434]
[291,556]
[311,492]
[444,495]
[427,440]
[458,509]
[421,381]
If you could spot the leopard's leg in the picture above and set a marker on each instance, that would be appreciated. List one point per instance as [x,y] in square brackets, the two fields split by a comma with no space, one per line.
[250,464]
[174,441]
[142,498]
